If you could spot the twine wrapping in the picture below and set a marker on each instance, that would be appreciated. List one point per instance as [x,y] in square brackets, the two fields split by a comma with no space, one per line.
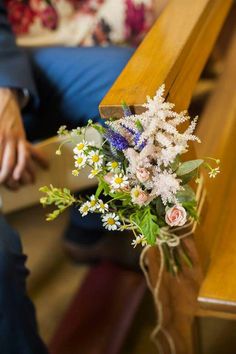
[168,236]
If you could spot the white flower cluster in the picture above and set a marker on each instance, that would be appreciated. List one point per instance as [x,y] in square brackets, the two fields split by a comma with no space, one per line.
[87,154]
[93,205]
[155,142]
[110,221]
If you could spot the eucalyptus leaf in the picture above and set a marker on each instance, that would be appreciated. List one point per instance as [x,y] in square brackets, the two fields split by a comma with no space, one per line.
[175,164]
[160,208]
[188,177]
[186,195]
[188,166]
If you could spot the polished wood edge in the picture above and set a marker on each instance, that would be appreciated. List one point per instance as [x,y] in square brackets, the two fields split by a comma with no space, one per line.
[217,304]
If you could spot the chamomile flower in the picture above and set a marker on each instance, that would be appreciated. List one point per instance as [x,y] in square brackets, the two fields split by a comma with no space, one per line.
[94,172]
[139,240]
[214,172]
[80,161]
[93,203]
[75,173]
[85,208]
[101,206]
[119,181]
[113,165]
[81,148]
[95,158]
[111,221]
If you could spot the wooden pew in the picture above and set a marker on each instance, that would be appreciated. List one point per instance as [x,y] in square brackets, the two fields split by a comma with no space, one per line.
[217,127]
[175,52]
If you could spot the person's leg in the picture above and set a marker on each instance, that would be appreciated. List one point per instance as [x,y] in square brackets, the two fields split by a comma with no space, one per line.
[18,329]
[71,83]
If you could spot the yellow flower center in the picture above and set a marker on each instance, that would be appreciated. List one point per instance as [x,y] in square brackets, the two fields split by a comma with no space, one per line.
[93,203]
[110,221]
[85,208]
[136,193]
[79,160]
[118,180]
[114,164]
[95,158]
[80,146]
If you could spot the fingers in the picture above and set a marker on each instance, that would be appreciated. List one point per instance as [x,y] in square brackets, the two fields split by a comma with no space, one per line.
[22,157]
[38,157]
[17,163]
[11,184]
[8,160]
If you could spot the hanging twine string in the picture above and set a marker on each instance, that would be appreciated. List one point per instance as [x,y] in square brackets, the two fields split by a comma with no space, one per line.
[168,236]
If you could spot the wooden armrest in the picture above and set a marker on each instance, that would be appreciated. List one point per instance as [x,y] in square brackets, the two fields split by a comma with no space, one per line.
[59,174]
[174,52]
[217,128]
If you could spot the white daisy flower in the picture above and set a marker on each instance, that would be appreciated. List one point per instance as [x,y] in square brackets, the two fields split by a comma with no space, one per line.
[119,181]
[101,206]
[93,202]
[85,208]
[214,172]
[93,173]
[113,165]
[95,158]
[81,147]
[80,161]
[111,221]
[139,240]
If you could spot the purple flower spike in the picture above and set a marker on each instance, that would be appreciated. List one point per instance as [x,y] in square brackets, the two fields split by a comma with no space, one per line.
[126,110]
[116,140]
[136,141]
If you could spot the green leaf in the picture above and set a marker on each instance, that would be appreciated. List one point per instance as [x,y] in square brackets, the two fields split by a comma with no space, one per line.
[160,208]
[139,125]
[188,166]
[175,164]
[147,223]
[186,195]
[100,188]
[189,177]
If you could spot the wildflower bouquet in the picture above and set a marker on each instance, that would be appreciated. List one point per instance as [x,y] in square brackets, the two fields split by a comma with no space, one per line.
[143,185]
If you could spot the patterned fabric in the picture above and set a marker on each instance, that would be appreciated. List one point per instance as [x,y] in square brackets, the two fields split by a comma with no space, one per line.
[79,22]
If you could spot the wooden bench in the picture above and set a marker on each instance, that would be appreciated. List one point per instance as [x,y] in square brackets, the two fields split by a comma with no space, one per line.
[175,52]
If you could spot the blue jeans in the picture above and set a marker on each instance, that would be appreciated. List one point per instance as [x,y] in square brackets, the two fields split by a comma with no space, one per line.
[18,328]
[71,82]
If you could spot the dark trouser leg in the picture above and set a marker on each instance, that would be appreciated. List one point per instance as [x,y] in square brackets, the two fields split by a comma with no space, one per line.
[18,329]
[71,83]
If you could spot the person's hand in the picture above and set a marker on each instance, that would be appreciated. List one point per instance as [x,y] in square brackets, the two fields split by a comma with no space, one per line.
[16,153]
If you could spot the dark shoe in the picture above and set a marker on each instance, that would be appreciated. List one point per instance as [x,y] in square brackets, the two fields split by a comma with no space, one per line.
[112,246]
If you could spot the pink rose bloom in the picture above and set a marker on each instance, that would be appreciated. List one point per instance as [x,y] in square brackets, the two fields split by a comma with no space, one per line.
[139,196]
[142,174]
[176,216]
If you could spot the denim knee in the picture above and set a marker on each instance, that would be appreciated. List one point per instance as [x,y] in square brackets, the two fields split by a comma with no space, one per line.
[10,249]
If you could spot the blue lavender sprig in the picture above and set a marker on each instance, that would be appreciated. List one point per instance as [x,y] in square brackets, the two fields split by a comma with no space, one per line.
[116,140]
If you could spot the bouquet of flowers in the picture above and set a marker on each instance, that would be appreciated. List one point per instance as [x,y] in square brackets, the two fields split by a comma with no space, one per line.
[143,185]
